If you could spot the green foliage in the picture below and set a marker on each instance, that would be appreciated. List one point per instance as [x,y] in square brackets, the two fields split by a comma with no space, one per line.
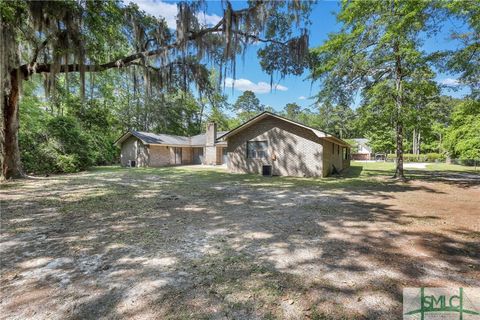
[248,102]
[429,157]
[462,138]
[61,145]
[465,59]
[247,106]
[52,142]
[292,111]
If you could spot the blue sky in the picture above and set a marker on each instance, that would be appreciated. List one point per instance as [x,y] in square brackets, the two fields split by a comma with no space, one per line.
[249,75]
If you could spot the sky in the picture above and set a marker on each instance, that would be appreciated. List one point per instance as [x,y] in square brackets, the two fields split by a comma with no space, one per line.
[249,75]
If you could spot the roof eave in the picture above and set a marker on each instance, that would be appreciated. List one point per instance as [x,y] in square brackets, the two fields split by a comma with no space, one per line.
[318,133]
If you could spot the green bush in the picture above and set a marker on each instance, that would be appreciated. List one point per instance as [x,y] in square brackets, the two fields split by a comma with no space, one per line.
[435,157]
[62,146]
[67,163]
[408,157]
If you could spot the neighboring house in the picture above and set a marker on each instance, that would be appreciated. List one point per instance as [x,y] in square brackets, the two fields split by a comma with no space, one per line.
[270,144]
[140,149]
[364,152]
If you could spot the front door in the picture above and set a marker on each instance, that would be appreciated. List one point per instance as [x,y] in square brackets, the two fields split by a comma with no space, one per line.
[197,155]
[177,155]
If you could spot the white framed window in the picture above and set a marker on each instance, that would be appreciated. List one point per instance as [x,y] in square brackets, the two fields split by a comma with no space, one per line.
[257,149]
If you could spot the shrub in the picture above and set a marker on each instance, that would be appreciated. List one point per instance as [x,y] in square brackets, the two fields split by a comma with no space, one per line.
[62,146]
[409,157]
[435,157]
[67,163]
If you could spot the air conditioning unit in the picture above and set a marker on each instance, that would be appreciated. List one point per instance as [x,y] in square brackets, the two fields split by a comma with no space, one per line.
[267,170]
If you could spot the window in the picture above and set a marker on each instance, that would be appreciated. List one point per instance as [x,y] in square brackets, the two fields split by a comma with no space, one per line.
[257,149]
[345,153]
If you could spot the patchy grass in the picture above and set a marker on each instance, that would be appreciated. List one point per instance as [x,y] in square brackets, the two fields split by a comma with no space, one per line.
[195,242]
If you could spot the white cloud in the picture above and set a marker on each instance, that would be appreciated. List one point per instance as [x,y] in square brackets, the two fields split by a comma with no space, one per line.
[450,82]
[208,19]
[245,84]
[302,98]
[169,12]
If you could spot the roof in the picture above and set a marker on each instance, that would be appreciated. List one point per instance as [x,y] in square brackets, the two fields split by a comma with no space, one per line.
[166,139]
[201,139]
[319,133]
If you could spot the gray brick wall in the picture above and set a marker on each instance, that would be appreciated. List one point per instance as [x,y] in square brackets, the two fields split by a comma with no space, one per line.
[293,151]
[133,149]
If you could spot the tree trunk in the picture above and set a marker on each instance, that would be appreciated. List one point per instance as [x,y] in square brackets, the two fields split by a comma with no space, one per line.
[414,141]
[10,153]
[399,165]
[399,106]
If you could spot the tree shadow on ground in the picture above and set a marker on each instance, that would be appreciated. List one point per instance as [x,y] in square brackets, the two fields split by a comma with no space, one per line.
[182,244]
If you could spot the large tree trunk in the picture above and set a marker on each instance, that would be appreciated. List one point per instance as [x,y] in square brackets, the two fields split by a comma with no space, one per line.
[399,165]
[399,106]
[10,153]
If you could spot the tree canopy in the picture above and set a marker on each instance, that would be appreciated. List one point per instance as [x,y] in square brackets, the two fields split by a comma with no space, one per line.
[60,38]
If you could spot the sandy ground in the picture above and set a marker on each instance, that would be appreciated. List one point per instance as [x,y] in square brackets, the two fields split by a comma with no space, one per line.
[417,165]
[181,244]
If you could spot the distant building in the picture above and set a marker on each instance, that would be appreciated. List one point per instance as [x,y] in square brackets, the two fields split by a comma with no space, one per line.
[363,151]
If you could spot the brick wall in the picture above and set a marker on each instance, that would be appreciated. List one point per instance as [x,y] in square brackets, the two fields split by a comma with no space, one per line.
[133,149]
[333,156]
[292,150]
[158,156]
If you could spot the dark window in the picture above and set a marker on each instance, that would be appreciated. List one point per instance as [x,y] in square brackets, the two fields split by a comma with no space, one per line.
[333,148]
[345,153]
[338,149]
[257,149]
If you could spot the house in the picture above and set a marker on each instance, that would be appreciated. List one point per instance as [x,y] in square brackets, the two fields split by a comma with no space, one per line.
[271,144]
[139,149]
[267,144]
[363,152]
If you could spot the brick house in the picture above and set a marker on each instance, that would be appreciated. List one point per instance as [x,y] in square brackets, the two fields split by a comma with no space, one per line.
[271,144]
[266,144]
[139,149]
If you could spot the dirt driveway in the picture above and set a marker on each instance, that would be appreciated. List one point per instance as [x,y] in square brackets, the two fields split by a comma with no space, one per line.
[187,243]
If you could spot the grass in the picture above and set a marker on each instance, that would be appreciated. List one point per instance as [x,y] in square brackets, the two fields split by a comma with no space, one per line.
[360,173]
[197,242]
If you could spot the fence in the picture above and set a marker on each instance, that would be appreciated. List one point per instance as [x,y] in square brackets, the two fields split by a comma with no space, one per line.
[422,158]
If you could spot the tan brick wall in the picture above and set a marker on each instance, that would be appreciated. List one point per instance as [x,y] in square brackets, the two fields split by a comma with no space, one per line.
[158,156]
[298,151]
[128,151]
[133,149]
[210,155]
[332,156]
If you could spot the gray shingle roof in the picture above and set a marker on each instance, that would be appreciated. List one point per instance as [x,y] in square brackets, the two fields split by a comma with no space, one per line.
[169,139]
[201,139]
[153,138]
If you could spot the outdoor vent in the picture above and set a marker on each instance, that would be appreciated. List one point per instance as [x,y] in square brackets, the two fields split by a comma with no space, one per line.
[132,164]
[267,170]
